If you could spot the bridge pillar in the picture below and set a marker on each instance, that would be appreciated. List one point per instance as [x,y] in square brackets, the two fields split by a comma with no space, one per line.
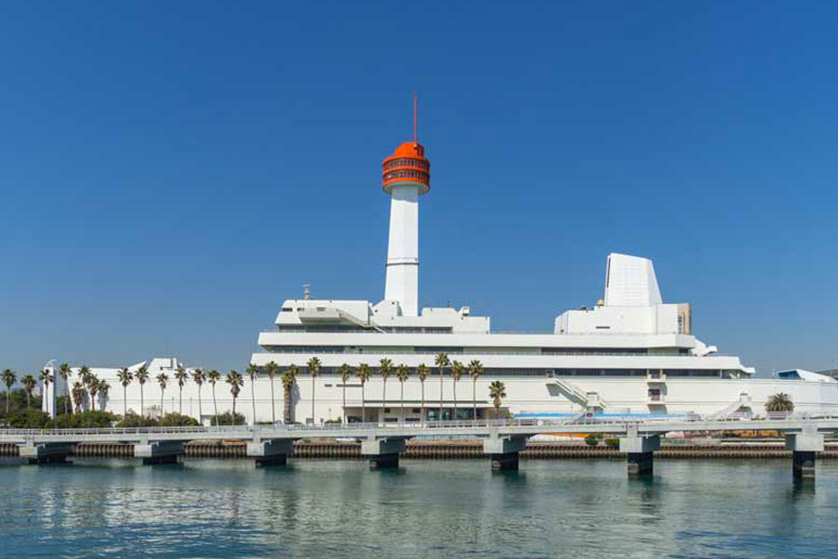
[804,447]
[272,452]
[504,451]
[158,452]
[382,453]
[638,451]
[46,453]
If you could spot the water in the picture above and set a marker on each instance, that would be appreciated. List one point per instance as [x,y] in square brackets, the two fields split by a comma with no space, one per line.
[215,508]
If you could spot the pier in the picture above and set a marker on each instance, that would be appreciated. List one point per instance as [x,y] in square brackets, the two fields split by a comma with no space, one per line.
[382,443]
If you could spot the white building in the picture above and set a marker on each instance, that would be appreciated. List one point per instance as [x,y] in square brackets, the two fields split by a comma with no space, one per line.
[631,354]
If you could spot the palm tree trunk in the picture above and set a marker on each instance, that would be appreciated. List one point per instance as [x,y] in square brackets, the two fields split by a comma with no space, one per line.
[286,405]
[66,395]
[8,395]
[423,400]
[142,402]
[384,398]
[454,413]
[312,401]
[343,411]
[363,405]
[273,403]
[162,394]
[215,405]
[234,410]
[402,401]
[200,408]
[180,404]
[474,397]
[440,394]
[253,398]
[27,401]
[124,400]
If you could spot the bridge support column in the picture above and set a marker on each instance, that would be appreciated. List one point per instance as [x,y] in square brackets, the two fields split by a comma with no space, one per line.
[46,453]
[382,453]
[504,451]
[638,451]
[158,452]
[272,452]
[804,446]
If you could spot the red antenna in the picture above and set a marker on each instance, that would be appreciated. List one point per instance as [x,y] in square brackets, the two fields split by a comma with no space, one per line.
[415,117]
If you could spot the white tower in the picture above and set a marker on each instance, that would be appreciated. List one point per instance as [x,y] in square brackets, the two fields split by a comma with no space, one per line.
[406,176]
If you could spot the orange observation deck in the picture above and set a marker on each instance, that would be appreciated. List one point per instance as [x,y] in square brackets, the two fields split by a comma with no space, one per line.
[408,164]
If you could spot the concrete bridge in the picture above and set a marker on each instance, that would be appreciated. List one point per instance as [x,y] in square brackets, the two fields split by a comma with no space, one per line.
[381,443]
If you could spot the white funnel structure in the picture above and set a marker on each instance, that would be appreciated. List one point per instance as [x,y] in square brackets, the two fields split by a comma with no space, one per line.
[630,282]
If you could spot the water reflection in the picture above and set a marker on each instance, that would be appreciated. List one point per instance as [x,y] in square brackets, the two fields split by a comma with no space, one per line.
[218,508]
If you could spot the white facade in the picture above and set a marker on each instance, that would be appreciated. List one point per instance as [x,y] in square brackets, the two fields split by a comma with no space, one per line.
[402,284]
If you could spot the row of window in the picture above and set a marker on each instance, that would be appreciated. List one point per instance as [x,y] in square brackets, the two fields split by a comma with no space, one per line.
[407,163]
[406,174]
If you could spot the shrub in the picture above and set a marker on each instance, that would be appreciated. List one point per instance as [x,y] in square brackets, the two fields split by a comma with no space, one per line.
[177,420]
[226,418]
[593,439]
[131,419]
[333,421]
[27,419]
[612,443]
[84,420]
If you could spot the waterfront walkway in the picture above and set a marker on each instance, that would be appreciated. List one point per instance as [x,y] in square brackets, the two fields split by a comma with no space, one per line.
[381,443]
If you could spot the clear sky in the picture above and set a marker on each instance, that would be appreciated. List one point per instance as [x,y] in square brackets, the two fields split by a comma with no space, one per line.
[171,171]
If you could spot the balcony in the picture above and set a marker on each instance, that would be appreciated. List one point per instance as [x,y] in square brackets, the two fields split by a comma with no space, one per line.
[655,377]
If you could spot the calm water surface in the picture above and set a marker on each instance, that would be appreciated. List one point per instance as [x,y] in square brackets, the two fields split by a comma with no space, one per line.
[209,508]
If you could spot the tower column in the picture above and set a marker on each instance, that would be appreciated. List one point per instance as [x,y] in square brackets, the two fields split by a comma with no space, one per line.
[402,283]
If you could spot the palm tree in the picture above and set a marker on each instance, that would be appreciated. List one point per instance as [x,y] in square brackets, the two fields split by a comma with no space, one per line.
[363,376]
[235,380]
[779,402]
[125,377]
[272,369]
[64,372]
[497,392]
[94,390]
[163,381]
[345,371]
[29,383]
[78,395]
[457,370]
[85,376]
[104,390]
[442,362]
[142,377]
[289,379]
[314,371]
[253,372]
[46,378]
[475,369]
[198,378]
[402,373]
[213,377]
[385,367]
[422,371]
[181,375]
[9,379]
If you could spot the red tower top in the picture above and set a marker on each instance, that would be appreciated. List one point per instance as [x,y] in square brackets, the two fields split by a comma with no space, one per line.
[408,163]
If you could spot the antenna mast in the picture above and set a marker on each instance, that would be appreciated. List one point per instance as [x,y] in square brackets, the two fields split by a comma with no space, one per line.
[415,117]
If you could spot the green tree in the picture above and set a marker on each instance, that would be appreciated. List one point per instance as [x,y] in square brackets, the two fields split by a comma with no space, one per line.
[9,380]
[29,383]
[442,363]
[85,377]
[213,377]
[65,372]
[475,370]
[422,371]
[402,374]
[313,370]
[125,377]
[181,376]
[253,373]
[235,380]
[46,380]
[289,379]
[385,367]
[497,392]
[457,370]
[78,394]
[198,378]
[104,390]
[142,375]
[163,382]
[363,376]
[272,370]
[93,389]
[780,402]
[345,371]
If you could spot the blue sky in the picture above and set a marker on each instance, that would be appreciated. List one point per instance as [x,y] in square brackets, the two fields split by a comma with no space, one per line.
[171,171]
